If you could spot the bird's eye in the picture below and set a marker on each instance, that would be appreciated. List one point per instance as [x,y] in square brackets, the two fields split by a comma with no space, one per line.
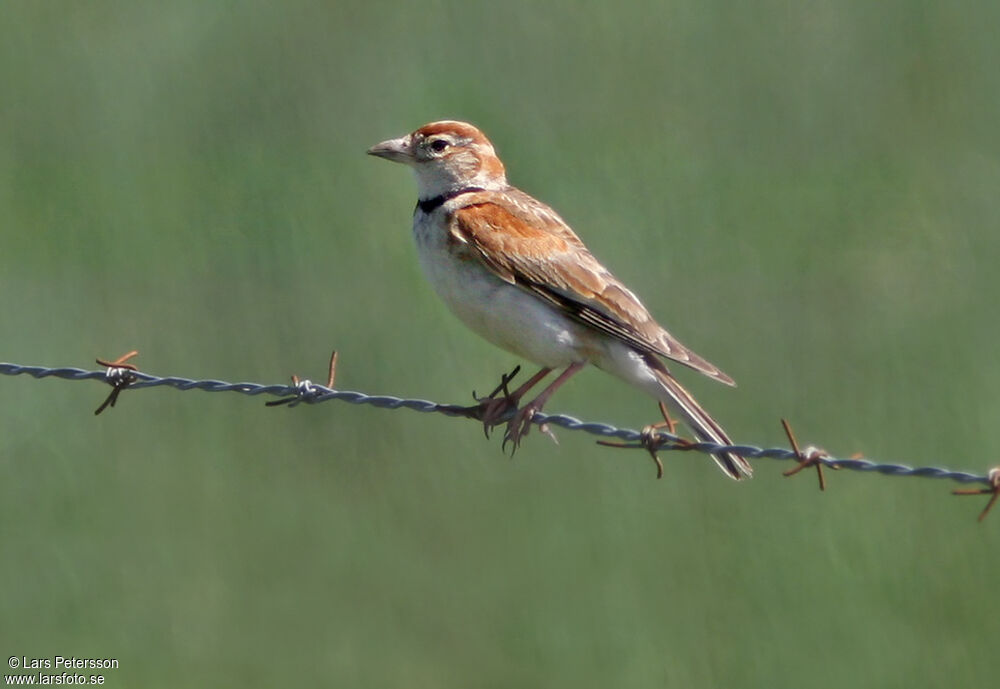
[439,145]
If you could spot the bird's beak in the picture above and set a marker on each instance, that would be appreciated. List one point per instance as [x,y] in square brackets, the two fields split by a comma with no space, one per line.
[396,150]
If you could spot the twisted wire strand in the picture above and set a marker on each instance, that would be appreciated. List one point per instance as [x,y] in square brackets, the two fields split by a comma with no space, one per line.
[312,393]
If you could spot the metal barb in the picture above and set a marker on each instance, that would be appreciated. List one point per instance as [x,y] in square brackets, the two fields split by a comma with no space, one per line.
[120,361]
[651,440]
[119,375]
[305,391]
[333,369]
[993,491]
[505,379]
[811,456]
[291,398]
[668,422]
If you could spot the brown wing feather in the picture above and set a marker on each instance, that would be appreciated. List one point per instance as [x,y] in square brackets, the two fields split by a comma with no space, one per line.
[539,252]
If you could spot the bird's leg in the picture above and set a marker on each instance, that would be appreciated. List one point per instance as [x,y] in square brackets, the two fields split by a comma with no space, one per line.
[492,409]
[518,426]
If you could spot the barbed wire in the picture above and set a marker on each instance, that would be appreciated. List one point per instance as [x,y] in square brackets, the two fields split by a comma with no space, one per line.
[121,375]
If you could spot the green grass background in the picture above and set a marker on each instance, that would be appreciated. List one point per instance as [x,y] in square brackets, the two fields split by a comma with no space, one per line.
[806,193]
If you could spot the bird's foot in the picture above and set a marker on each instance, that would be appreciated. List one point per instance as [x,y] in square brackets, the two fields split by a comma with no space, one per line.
[494,408]
[519,426]
[493,411]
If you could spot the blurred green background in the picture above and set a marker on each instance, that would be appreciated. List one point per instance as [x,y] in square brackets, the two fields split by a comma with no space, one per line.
[806,193]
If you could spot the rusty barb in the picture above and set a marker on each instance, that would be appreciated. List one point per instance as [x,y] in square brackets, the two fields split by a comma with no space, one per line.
[993,491]
[809,457]
[652,439]
[305,391]
[119,376]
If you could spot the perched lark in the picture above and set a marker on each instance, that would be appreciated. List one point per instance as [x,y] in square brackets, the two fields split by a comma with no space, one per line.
[512,270]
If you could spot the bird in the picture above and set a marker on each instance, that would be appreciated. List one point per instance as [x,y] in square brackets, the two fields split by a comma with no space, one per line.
[513,271]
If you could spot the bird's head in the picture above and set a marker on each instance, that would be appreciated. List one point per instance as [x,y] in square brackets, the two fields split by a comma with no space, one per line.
[446,156]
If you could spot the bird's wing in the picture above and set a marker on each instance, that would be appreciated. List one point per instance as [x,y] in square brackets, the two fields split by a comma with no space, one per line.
[527,244]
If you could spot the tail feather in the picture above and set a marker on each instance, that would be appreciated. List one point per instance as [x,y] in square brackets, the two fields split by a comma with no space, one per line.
[704,427]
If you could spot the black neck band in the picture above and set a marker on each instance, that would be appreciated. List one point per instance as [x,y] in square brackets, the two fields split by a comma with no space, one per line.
[430,205]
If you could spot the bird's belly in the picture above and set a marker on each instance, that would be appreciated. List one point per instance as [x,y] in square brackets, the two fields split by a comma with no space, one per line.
[503,314]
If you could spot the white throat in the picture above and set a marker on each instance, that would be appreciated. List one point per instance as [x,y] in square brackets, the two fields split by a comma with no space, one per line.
[436,181]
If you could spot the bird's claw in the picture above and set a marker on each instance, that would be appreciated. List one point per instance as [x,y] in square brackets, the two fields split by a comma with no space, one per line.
[497,406]
[492,411]
[518,427]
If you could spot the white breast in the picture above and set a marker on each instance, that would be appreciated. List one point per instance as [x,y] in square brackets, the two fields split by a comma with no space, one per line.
[507,316]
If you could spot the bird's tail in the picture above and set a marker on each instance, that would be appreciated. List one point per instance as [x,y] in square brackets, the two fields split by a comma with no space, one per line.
[704,427]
